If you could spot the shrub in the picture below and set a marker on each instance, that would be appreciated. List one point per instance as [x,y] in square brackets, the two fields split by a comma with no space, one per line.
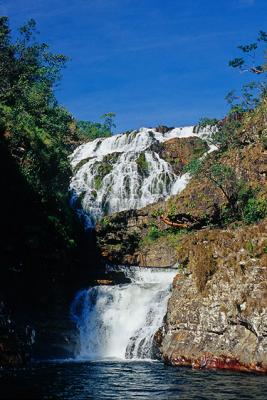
[206,121]
[153,233]
[105,223]
[193,167]
[98,182]
[254,210]
[157,213]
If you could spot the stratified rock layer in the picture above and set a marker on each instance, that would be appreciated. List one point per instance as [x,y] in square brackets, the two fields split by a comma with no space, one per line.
[217,313]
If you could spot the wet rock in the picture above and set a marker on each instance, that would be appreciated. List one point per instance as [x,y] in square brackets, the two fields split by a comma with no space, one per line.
[104,282]
[158,254]
[163,129]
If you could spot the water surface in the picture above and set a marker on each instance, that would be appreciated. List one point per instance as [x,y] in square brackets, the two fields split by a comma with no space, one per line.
[126,380]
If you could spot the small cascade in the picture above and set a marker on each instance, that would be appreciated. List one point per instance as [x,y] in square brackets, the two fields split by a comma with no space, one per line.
[124,172]
[120,321]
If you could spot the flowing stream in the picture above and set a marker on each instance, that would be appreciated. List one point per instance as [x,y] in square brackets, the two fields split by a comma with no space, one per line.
[120,321]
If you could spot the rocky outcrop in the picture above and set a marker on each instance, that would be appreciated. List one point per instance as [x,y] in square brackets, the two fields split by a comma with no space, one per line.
[163,129]
[217,313]
[180,151]
[122,237]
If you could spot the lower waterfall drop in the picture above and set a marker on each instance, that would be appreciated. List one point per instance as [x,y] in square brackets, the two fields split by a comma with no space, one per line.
[120,321]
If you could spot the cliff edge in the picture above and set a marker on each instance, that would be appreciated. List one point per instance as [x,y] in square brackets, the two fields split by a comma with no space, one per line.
[217,312]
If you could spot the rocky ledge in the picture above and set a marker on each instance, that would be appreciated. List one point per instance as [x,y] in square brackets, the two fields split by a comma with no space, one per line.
[216,315]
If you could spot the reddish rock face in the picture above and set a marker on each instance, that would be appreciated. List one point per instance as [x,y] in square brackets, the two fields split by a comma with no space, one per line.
[180,151]
[209,361]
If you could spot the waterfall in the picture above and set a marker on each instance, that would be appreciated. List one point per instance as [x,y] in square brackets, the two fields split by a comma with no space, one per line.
[120,321]
[124,172]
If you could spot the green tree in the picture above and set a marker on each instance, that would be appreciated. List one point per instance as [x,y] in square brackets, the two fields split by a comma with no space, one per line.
[88,130]
[29,112]
[109,121]
[242,201]
[253,60]
[227,132]
[222,176]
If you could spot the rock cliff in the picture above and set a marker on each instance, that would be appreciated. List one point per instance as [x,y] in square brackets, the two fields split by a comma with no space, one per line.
[124,237]
[216,315]
[217,312]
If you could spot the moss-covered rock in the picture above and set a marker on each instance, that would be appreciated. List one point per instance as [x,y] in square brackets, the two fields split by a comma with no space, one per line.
[142,165]
[103,168]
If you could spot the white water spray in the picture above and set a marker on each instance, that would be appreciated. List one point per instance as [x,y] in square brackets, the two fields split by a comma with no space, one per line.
[109,178]
[120,321]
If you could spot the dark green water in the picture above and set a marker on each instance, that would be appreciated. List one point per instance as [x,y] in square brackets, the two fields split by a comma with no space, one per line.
[126,380]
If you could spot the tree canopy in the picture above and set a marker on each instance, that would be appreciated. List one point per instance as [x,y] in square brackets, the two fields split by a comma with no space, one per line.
[92,130]
[37,129]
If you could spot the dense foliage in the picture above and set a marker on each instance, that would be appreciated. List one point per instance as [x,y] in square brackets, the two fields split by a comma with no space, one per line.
[242,202]
[37,129]
[88,130]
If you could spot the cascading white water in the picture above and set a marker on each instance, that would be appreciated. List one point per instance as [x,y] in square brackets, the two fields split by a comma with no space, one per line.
[109,175]
[109,178]
[120,321]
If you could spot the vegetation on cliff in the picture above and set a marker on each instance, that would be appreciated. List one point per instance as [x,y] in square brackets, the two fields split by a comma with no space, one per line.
[227,186]
[36,138]
[87,130]
[244,125]
[42,243]
[142,164]
[38,131]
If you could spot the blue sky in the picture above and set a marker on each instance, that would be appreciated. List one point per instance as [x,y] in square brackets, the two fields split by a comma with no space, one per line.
[149,61]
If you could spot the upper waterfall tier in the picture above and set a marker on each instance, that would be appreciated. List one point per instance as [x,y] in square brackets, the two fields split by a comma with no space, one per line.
[125,171]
